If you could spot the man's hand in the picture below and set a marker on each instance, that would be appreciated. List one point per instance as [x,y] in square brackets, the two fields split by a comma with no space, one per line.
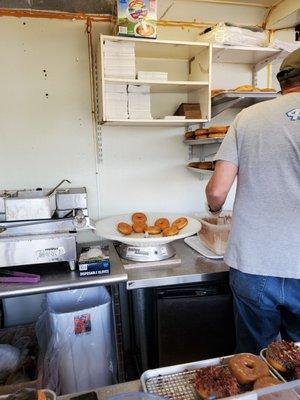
[220,183]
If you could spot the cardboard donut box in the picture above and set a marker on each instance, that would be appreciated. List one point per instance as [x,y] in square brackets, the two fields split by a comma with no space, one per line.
[136,18]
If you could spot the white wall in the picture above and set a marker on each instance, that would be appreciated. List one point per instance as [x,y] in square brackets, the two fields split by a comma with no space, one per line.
[45,118]
[44,139]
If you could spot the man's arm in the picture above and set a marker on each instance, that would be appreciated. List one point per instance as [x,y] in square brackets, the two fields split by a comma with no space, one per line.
[220,183]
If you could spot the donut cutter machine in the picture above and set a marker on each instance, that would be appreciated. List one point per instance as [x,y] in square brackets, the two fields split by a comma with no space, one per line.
[40,226]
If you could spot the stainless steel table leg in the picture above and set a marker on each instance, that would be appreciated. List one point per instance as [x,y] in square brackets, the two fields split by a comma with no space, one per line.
[72,265]
[118,332]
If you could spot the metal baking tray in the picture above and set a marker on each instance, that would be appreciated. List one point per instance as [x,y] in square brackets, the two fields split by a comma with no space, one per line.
[279,375]
[202,141]
[177,382]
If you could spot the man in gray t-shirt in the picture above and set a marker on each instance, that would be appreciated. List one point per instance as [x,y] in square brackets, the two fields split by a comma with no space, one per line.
[262,148]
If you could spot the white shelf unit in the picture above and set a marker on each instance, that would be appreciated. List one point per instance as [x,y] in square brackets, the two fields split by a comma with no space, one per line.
[189,75]
[258,58]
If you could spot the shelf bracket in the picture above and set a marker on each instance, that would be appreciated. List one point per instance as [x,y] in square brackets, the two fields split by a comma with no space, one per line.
[99,144]
[261,64]
[217,54]
[218,108]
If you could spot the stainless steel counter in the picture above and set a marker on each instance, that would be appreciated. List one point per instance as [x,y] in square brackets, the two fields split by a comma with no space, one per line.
[57,276]
[107,391]
[193,268]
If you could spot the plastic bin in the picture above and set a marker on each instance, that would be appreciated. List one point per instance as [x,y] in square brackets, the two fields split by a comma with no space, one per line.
[214,232]
[81,344]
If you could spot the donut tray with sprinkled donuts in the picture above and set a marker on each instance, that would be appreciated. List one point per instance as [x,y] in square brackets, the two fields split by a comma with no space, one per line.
[285,374]
[179,382]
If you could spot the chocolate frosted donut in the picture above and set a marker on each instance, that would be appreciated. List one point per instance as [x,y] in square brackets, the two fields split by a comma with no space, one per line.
[283,356]
[216,381]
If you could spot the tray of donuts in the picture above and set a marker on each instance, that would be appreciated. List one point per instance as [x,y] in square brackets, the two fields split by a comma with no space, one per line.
[206,135]
[217,378]
[283,359]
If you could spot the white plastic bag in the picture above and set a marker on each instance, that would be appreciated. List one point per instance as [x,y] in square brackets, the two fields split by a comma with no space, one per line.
[10,358]
[233,35]
[76,333]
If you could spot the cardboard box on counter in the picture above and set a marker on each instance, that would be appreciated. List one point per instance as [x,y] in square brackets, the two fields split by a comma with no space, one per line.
[137,18]
[94,260]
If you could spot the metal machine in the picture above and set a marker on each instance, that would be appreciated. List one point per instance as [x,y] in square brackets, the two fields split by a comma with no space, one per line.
[40,226]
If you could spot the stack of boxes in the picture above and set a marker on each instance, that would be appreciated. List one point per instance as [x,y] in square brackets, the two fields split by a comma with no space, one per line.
[139,102]
[116,102]
[123,101]
[119,60]
[152,76]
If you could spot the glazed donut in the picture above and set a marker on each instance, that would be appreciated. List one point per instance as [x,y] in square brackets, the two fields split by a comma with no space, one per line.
[171,231]
[283,355]
[218,129]
[265,381]
[247,368]
[216,381]
[152,230]
[189,135]
[124,228]
[244,88]
[138,217]
[180,222]
[163,223]
[139,227]
[267,90]
[201,132]
[217,135]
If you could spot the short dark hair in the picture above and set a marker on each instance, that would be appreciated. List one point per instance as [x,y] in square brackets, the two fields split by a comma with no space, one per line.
[289,72]
[289,82]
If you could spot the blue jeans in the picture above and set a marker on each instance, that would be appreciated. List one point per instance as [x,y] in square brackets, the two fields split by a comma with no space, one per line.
[264,307]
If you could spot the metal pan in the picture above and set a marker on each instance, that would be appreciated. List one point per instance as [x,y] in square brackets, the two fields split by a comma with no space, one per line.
[31,204]
[279,375]
[177,382]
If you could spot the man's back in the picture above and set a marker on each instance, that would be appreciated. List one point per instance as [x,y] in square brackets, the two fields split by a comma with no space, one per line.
[265,234]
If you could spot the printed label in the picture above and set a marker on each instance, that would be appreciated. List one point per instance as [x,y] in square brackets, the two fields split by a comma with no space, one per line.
[294,115]
[53,252]
[143,251]
[82,324]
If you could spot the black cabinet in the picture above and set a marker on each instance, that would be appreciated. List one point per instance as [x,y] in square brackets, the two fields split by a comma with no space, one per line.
[180,324]
[194,323]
